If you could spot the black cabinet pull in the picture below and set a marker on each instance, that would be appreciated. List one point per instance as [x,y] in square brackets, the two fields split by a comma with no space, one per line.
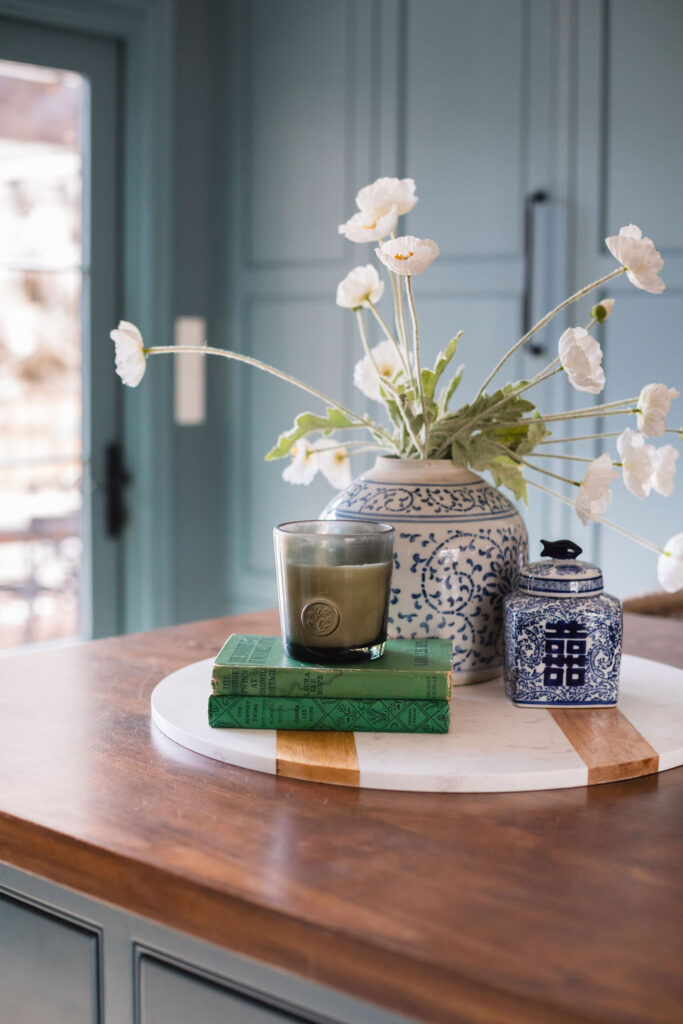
[531,201]
[117,479]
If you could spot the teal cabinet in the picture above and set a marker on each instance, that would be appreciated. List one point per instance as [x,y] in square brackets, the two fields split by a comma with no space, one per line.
[629,149]
[39,949]
[483,104]
[68,959]
[324,97]
[169,994]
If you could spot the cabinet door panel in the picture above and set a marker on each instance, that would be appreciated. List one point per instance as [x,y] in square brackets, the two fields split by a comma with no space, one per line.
[463,124]
[170,995]
[643,135]
[628,170]
[48,968]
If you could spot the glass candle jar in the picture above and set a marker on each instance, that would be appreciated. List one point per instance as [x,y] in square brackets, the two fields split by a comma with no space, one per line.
[333,581]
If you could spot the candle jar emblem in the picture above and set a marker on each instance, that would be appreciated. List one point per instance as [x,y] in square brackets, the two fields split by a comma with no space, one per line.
[333,588]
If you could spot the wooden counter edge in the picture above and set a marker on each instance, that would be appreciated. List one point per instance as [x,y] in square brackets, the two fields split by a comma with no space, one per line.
[325,957]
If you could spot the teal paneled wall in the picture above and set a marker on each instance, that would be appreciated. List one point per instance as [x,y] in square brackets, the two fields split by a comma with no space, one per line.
[200,527]
[629,151]
[303,101]
[324,97]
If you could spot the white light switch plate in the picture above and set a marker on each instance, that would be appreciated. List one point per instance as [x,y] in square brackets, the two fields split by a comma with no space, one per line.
[189,400]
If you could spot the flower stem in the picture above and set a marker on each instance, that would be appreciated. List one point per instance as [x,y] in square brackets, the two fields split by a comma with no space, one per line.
[549,371]
[605,405]
[606,522]
[586,437]
[390,335]
[418,365]
[385,381]
[546,319]
[399,314]
[529,465]
[238,357]
[580,414]
[382,322]
[554,455]
[359,446]
[543,375]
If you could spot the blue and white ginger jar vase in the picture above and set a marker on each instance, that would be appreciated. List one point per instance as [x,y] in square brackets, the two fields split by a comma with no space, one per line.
[458,547]
[563,634]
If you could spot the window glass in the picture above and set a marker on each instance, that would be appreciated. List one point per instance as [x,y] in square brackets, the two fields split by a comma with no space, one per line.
[43,284]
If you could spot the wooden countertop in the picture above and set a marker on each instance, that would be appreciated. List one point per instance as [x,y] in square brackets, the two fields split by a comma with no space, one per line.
[555,906]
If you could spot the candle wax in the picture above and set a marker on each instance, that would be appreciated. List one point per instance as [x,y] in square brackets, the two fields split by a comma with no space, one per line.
[336,606]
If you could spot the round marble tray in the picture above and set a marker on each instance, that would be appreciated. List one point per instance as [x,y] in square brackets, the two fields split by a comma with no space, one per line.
[491,747]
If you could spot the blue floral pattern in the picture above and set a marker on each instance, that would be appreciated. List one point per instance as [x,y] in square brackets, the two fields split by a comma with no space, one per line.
[370,498]
[458,550]
[526,621]
[560,576]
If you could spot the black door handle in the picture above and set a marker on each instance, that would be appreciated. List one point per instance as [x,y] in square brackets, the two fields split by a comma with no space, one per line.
[531,201]
[117,479]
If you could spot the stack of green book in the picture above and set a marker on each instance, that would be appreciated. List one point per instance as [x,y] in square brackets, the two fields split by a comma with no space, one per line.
[256,685]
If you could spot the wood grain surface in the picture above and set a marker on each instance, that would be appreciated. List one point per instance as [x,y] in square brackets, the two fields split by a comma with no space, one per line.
[318,756]
[556,906]
[609,744]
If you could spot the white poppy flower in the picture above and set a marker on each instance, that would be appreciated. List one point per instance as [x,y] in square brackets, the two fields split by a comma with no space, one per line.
[594,494]
[388,363]
[131,361]
[364,227]
[334,463]
[304,464]
[602,310]
[360,285]
[638,462]
[670,565]
[581,356]
[664,470]
[408,255]
[654,403]
[384,193]
[639,256]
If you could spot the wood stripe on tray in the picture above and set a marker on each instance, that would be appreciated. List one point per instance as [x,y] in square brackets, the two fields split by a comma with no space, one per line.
[318,757]
[607,742]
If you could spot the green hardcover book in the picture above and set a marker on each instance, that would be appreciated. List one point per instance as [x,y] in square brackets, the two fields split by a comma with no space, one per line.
[257,666]
[329,714]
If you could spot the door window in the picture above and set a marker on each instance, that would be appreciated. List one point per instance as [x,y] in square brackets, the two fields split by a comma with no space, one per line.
[43,293]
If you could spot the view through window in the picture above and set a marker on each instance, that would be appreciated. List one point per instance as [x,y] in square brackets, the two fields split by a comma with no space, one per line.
[42,282]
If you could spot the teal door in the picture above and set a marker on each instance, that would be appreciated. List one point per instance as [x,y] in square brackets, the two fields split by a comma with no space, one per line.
[628,170]
[59,549]
[486,105]
[437,90]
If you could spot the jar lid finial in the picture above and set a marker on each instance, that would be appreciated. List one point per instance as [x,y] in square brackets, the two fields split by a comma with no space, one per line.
[560,549]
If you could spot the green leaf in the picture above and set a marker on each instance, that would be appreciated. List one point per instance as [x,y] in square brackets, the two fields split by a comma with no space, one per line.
[459,453]
[448,392]
[394,413]
[444,358]
[306,423]
[415,421]
[522,439]
[508,473]
[482,452]
[428,383]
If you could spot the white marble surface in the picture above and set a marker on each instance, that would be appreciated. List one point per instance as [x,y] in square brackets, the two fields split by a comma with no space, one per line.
[492,746]
[180,709]
[654,704]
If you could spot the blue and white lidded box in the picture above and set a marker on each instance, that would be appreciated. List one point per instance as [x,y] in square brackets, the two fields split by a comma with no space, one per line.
[563,635]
